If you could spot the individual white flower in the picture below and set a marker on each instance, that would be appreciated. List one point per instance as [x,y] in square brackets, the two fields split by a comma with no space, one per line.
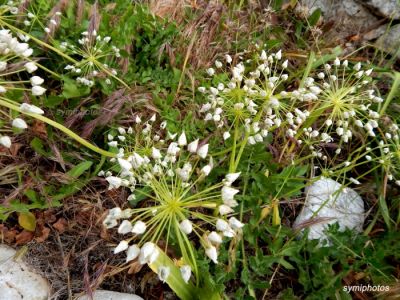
[186,272]
[125,165]
[231,177]
[225,209]
[125,227]
[192,147]
[212,253]
[218,64]
[29,108]
[228,58]
[148,253]
[132,252]
[210,71]
[155,153]
[163,273]
[173,149]
[3,66]
[114,182]
[115,213]
[222,225]
[182,141]
[186,226]
[38,90]
[113,144]
[136,160]
[36,80]
[235,223]
[226,135]
[5,141]
[139,227]
[206,170]
[122,246]
[110,222]
[202,151]
[278,55]
[214,238]
[228,193]
[19,123]
[2,89]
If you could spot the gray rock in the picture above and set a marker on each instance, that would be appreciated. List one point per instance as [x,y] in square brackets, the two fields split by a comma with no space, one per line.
[386,8]
[353,15]
[328,202]
[109,295]
[390,41]
[18,281]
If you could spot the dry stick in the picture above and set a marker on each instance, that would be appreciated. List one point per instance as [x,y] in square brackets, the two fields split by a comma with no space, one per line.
[184,65]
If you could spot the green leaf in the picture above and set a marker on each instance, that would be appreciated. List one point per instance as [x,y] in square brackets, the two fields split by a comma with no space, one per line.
[313,19]
[38,146]
[79,169]
[27,220]
[72,90]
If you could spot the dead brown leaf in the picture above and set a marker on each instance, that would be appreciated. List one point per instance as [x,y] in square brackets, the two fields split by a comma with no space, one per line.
[60,225]
[23,237]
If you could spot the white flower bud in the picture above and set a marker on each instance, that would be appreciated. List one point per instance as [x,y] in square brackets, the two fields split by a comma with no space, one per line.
[224,210]
[214,238]
[212,253]
[5,141]
[132,252]
[186,226]
[38,90]
[163,273]
[202,151]
[235,223]
[19,123]
[182,139]
[139,227]
[148,253]
[222,225]
[125,227]
[206,170]
[36,80]
[28,108]
[122,246]
[231,177]
[210,71]
[155,153]
[228,193]
[186,272]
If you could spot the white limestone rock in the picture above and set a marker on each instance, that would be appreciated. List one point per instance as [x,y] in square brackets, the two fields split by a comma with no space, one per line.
[109,295]
[385,8]
[328,202]
[348,13]
[390,41]
[18,281]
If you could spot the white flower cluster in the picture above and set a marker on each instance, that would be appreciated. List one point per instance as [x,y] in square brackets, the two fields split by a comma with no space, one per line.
[171,179]
[13,51]
[251,98]
[331,107]
[96,54]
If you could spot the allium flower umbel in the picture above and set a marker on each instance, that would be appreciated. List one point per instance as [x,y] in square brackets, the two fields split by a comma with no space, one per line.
[96,57]
[177,204]
[252,97]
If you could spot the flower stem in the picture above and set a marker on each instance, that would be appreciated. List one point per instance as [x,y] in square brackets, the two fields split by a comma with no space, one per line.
[64,129]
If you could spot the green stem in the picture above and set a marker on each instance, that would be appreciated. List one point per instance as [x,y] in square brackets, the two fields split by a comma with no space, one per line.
[64,129]
[392,92]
